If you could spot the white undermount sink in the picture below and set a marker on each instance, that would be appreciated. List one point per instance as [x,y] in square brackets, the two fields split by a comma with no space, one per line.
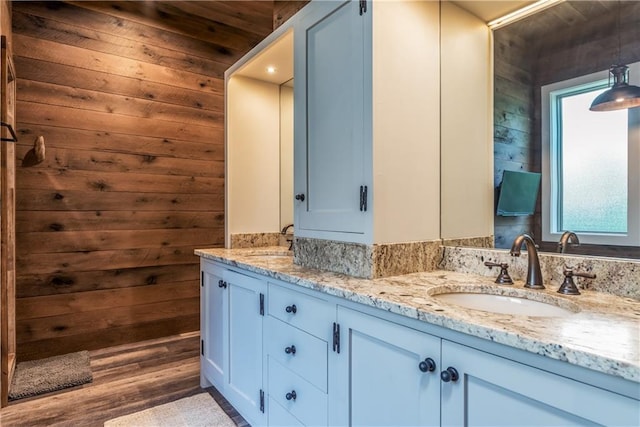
[507,304]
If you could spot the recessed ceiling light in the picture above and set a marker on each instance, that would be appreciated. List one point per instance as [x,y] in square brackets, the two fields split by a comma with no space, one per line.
[271,69]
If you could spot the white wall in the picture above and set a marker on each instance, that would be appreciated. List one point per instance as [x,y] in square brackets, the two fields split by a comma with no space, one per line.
[253,156]
[406,121]
[467,125]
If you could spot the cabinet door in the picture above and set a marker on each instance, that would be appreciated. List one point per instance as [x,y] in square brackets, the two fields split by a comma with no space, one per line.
[244,371]
[495,391]
[213,325]
[377,379]
[332,72]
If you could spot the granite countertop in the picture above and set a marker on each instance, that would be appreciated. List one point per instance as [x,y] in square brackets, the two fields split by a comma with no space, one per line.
[603,334]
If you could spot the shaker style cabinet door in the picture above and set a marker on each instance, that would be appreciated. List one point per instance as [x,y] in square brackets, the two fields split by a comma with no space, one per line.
[385,374]
[232,307]
[332,72]
[491,390]
[213,324]
[244,372]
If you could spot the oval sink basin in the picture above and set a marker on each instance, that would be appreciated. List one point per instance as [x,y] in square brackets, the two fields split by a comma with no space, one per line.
[507,304]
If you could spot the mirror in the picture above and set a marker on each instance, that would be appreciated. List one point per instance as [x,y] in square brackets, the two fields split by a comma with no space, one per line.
[286,154]
[570,39]
[259,143]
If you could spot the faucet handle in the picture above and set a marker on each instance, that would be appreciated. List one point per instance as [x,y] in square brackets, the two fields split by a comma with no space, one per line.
[503,278]
[568,287]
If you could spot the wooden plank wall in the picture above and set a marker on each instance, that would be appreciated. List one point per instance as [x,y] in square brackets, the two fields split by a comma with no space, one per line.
[513,145]
[7,251]
[129,99]
[285,9]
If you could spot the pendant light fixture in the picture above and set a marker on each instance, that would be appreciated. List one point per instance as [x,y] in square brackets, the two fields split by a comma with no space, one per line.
[621,95]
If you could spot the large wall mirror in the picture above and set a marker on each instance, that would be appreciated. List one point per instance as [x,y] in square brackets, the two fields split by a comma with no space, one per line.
[564,43]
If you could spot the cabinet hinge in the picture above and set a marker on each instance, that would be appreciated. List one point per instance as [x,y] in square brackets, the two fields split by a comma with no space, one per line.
[336,337]
[262,401]
[363,7]
[202,278]
[202,347]
[261,304]
[363,198]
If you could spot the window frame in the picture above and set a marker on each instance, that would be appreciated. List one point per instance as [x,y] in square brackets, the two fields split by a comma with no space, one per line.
[549,138]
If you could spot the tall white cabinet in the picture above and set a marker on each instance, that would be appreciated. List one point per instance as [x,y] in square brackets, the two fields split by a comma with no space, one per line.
[332,153]
[367,123]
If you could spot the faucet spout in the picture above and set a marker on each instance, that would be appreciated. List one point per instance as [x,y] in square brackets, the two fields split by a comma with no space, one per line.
[567,238]
[285,229]
[534,274]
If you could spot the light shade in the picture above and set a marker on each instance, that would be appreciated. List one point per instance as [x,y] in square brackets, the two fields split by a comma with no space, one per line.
[621,95]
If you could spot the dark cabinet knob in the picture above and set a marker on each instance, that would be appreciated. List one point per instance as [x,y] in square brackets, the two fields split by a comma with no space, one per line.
[222,284]
[290,350]
[300,197]
[427,365]
[451,374]
[291,396]
[291,309]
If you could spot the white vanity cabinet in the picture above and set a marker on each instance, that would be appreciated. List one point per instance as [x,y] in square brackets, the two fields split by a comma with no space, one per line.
[298,330]
[391,374]
[315,359]
[492,390]
[231,333]
[386,374]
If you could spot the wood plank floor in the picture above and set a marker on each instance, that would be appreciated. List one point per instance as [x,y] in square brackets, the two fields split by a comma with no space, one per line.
[126,379]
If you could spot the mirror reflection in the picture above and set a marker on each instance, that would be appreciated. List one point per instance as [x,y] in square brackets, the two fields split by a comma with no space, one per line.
[543,65]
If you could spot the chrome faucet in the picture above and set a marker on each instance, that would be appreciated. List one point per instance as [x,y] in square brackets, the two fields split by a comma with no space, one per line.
[534,274]
[566,238]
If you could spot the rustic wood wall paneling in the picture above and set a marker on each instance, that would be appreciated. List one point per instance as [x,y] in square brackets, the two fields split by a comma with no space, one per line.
[285,9]
[129,99]
[513,144]
[7,218]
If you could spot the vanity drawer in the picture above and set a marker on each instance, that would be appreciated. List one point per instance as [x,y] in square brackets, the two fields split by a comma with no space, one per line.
[309,405]
[311,314]
[280,417]
[304,354]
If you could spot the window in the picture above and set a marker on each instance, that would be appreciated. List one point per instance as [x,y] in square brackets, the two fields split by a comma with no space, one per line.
[590,164]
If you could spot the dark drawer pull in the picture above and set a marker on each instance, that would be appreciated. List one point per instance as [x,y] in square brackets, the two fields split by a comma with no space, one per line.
[222,284]
[290,350]
[291,396]
[291,309]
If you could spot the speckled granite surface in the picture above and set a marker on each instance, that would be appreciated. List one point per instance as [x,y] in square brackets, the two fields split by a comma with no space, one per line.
[253,240]
[475,242]
[604,335]
[367,261]
[613,275]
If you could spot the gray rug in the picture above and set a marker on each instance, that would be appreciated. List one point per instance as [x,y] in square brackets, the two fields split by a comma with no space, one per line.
[46,375]
[195,411]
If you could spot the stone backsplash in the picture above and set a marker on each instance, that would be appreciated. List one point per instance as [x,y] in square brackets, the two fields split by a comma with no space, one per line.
[615,276]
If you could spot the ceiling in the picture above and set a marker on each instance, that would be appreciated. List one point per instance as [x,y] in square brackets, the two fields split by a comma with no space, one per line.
[278,55]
